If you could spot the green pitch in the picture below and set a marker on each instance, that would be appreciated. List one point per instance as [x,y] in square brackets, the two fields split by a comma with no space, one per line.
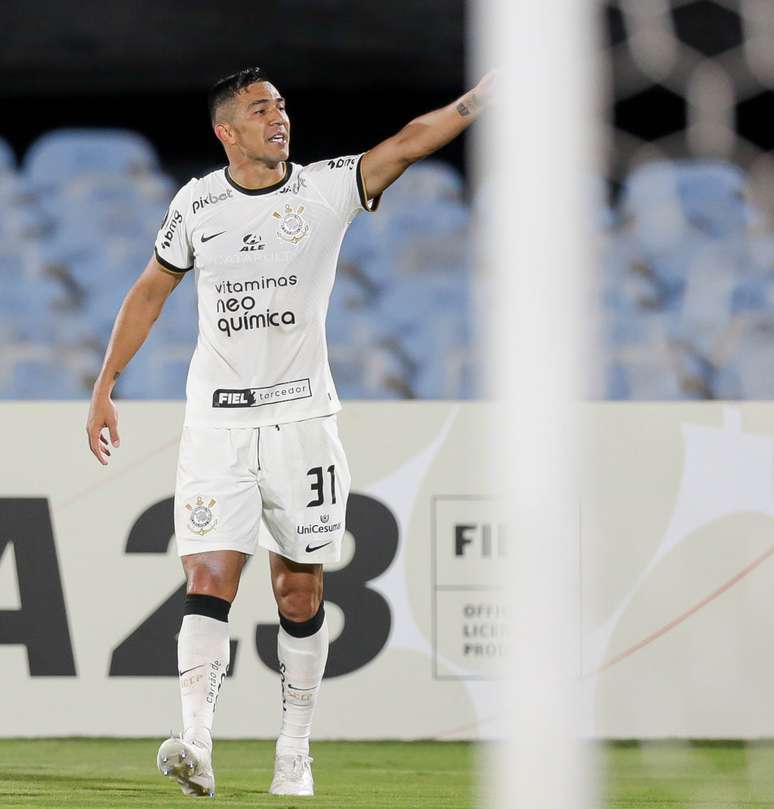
[106,773]
[687,775]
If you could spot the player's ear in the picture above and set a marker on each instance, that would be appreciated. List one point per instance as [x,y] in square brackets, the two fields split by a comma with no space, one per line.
[224,133]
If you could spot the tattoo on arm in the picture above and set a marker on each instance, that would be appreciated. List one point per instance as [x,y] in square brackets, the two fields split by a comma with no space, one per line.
[468,104]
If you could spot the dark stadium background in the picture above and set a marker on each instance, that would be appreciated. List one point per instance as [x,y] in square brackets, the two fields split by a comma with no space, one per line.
[147,65]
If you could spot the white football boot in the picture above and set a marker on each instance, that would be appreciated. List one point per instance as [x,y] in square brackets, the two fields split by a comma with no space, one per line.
[189,764]
[292,775]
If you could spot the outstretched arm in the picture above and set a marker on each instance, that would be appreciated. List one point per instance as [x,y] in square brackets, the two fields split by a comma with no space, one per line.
[383,164]
[141,306]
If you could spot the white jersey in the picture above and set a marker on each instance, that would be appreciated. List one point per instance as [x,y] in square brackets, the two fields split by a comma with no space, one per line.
[264,263]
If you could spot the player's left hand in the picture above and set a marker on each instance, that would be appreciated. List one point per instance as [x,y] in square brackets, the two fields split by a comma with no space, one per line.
[486,90]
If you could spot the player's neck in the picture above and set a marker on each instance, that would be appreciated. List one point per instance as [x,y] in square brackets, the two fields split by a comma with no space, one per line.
[254,175]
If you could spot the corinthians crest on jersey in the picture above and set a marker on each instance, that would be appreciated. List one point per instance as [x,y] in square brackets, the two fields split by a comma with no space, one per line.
[201,519]
[292,226]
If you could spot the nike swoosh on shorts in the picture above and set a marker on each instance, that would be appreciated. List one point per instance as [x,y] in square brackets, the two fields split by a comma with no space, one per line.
[317,547]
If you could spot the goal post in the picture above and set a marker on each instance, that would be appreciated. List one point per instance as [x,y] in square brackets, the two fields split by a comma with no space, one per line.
[537,155]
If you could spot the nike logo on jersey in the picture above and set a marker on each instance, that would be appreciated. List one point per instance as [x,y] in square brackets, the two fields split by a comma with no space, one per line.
[310,549]
[191,669]
[207,238]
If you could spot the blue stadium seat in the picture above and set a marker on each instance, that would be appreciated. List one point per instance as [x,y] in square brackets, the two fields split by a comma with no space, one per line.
[158,371]
[427,318]
[348,310]
[22,219]
[651,209]
[366,370]
[105,277]
[46,372]
[644,373]
[683,255]
[426,182]
[667,202]
[28,294]
[712,195]
[398,324]
[64,154]
[7,157]
[111,198]
[708,295]
[88,213]
[749,358]
[421,216]
[178,323]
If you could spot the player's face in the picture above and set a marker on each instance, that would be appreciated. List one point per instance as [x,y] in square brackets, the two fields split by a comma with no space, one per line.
[261,124]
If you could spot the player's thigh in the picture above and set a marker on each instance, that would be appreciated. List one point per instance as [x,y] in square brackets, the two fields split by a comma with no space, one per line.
[304,483]
[217,501]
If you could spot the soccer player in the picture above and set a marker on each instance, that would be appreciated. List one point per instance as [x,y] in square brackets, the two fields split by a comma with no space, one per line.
[260,439]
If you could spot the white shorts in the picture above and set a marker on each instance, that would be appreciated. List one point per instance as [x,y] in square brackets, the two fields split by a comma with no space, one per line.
[293,475]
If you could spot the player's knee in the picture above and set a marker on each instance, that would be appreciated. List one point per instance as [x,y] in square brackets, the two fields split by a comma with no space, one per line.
[202,580]
[298,605]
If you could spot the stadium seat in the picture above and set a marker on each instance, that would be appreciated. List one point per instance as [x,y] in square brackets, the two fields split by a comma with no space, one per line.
[422,215]
[64,154]
[643,373]
[712,195]
[28,294]
[365,370]
[426,319]
[46,372]
[7,157]
[110,198]
[88,214]
[158,371]
[104,277]
[398,323]
[178,323]
[347,309]
[749,357]
[428,181]
[708,295]
[651,207]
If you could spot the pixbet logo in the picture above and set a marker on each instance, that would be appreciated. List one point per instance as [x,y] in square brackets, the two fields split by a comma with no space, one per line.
[251,244]
[480,539]
[211,199]
[173,220]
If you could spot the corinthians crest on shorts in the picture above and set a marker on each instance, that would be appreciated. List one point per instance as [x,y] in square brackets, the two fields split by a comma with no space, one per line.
[292,227]
[201,520]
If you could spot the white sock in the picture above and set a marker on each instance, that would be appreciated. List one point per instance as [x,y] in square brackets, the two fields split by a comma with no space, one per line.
[202,661]
[302,664]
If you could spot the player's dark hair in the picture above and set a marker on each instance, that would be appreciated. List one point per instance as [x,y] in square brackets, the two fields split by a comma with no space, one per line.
[226,88]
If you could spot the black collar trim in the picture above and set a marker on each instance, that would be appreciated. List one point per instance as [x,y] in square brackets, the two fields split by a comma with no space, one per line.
[256,192]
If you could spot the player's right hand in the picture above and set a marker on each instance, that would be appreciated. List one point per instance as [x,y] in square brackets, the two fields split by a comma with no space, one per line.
[103,414]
